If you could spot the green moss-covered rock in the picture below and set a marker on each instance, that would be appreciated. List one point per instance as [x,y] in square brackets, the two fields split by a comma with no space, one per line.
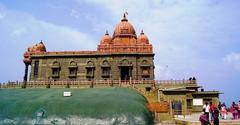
[93,106]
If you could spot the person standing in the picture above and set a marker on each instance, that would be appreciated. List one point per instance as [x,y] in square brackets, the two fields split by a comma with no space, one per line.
[215,115]
[219,108]
[203,119]
[212,108]
[234,110]
[239,109]
[224,111]
[206,109]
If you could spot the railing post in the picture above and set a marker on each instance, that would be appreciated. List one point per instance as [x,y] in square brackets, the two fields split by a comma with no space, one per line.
[130,80]
[171,111]
[119,80]
[133,83]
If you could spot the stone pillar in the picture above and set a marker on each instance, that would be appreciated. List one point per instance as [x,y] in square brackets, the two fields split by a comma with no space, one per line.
[26,73]
[25,78]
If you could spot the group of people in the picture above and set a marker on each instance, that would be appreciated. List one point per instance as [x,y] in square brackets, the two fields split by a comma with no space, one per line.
[235,110]
[211,113]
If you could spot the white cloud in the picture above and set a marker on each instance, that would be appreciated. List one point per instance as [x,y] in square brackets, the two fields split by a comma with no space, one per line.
[2,15]
[233,59]
[185,34]
[63,36]
[2,12]
[20,30]
[74,13]
[34,29]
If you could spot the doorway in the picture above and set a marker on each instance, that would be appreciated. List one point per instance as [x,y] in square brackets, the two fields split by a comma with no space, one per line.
[177,107]
[125,73]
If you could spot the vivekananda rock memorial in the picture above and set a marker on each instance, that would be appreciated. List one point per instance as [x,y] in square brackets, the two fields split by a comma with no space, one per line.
[122,59]
[123,56]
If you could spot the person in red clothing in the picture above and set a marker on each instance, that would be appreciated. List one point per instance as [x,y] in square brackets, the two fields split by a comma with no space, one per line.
[212,107]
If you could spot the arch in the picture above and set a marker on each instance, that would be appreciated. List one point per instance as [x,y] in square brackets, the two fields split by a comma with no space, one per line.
[105,63]
[55,64]
[144,62]
[90,63]
[72,64]
[125,62]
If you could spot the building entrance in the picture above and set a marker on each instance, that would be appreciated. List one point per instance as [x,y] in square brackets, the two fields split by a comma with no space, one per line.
[126,73]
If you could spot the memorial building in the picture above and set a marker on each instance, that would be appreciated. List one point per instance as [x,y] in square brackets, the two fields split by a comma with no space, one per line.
[123,55]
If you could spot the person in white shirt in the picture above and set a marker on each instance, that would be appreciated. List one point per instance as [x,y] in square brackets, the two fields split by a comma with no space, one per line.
[206,109]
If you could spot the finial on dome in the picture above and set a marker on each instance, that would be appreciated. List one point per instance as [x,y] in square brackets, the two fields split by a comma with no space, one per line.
[41,41]
[124,16]
[142,33]
[106,32]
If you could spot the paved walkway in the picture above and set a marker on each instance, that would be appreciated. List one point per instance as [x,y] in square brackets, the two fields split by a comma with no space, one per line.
[194,119]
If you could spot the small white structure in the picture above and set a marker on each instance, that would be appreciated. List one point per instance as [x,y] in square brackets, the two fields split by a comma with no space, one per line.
[67,94]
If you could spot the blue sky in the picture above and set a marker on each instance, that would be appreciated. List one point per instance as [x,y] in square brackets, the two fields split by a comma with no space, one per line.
[198,38]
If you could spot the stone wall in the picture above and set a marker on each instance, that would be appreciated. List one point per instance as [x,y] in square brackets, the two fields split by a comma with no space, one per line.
[46,64]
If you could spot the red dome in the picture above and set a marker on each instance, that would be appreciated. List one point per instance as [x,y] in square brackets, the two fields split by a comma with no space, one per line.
[38,48]
[26,59]
[124,28]
[41,47]
[106,39]
[142,38]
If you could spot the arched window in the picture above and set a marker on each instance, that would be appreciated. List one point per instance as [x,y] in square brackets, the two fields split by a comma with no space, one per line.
[145,69]
[90,68]
[72,69]
[56,69]
[106,69]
